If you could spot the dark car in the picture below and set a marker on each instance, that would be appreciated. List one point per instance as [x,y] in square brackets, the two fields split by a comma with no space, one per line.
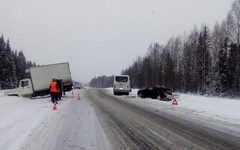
[156,92]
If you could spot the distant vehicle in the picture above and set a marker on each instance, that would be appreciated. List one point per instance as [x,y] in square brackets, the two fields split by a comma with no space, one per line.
[121,85]
[156,92]
[41,77]
[77,85]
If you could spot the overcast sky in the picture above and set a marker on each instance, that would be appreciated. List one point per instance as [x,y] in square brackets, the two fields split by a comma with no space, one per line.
[100,37]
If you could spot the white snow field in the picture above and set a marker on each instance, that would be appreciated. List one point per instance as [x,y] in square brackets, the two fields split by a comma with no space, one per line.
[32,124]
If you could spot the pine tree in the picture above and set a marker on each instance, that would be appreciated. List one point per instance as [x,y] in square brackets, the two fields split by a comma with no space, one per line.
[203,59]
[14,70]
[222,67]
[21,66]
[2,55]
[9,67]
[3,64]
[232,63]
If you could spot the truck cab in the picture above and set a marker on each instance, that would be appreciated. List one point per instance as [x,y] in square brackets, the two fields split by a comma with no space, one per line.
[25,89]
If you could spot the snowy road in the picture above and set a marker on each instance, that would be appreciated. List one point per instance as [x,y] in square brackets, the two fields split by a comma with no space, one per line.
[100,120]
[130,127]
[73,126]
[80,128]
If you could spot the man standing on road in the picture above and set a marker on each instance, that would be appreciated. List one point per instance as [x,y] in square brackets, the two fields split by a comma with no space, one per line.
[54,90]
[60,88]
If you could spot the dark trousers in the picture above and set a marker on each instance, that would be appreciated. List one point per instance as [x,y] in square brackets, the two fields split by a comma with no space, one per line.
[54,96]
[60,95]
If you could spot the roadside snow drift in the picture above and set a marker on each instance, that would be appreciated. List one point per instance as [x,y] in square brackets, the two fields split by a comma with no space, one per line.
[214,112]
[32,124]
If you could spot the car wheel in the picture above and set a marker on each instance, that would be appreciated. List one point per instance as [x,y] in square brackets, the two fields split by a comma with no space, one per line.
[165,99]
[159,97]
[140,95]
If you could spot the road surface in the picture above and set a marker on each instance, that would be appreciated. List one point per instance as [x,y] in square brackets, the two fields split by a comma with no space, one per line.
[130,127]
[100,121]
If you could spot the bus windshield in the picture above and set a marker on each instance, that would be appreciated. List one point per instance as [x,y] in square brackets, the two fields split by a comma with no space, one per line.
[121,79]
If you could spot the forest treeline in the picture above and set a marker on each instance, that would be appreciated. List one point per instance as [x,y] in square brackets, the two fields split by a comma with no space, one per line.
[205,61]
[12,65]
[101,82]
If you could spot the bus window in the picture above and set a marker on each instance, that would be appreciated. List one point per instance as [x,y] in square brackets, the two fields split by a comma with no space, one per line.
[121,79]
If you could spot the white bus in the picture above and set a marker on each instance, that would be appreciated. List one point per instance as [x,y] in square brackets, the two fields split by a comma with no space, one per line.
[121,85]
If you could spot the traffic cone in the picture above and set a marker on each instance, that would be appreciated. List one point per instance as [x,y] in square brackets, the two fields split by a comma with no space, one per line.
[78,96]
[174,102]
[55,106]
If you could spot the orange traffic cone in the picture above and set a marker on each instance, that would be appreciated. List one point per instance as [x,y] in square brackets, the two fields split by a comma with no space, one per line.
[55,106]
[78,96]
[174,102]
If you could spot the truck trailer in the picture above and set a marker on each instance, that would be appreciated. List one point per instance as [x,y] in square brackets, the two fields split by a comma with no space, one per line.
[40,78]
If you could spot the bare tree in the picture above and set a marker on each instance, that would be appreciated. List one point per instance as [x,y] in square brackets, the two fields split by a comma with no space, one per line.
[233,20]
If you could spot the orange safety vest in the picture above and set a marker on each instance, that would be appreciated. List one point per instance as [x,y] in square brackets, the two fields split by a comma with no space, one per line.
[53,86]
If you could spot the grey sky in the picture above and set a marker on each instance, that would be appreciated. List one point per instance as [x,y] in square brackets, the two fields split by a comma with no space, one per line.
[100,37]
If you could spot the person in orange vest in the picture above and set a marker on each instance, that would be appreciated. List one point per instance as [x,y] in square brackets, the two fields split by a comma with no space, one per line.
[54,91]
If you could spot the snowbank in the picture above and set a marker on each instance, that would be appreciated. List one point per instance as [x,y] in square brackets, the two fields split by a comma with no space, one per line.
[222,109]
[19,116]
[27,124]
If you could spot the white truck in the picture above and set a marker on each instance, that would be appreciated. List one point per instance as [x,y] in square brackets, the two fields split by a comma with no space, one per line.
[121,85]
[41,77]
